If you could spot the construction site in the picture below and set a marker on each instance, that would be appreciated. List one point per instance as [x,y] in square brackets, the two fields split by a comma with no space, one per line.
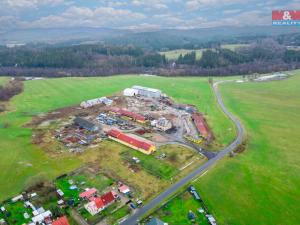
[141,118]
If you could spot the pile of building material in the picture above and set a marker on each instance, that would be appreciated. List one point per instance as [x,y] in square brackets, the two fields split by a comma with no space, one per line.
[81,133]
[96,101]
[131,141]
[129,114]
[104,118]
[162,124]
[85,124]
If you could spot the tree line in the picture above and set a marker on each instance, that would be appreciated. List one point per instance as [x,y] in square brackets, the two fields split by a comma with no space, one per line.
[99,60]
[81,56]
[264,51]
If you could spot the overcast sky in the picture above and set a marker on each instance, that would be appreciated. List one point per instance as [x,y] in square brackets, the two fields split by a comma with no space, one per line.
[144,14]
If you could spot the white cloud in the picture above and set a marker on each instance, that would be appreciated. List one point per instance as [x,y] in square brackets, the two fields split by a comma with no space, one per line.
[250,18]
[143,26]
[8,22]
[24,4]
[193,5]
[83,16]
[143,14]
[151,4]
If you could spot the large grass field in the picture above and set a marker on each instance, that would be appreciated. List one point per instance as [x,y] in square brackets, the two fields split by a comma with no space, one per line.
[174,54]
[233,47]
[261,185]
[22,163]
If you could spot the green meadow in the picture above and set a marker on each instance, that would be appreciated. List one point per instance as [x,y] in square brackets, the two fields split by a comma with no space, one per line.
[262,184]
[176,211]
[174,54]
[233,47]
[22,163]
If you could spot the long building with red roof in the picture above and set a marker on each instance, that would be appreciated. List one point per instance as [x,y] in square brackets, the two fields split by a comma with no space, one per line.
[201,124]
[132,115]
[130,141]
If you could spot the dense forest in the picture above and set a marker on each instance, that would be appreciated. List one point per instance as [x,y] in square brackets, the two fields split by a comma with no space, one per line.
[263,55]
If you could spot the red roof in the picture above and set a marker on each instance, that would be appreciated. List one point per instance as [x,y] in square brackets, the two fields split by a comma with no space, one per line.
[99,203]
[108,198]
[200,124]
[128,139]
[88,193]
[61,221]
[105,199]
[127,113]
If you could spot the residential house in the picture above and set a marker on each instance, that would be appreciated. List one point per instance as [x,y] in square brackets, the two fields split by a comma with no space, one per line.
[97,204]
[124,189]
[88,193]
[61,221]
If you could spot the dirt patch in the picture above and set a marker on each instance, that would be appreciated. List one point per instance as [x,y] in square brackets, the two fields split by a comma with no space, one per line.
[241,148]
[156,137]
[12,88]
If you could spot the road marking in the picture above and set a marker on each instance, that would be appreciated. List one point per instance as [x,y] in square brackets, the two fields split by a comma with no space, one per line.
[182,168]
[200,176]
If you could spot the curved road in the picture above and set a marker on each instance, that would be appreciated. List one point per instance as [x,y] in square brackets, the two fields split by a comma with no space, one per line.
[134,219]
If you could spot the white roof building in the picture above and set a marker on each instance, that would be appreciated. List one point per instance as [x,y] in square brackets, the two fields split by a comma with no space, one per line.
[211,220]
[41,217]
[162,124]
[130,92]
[60,192]
[17,198]
[29,204]
[275,76]
[148,92]
[96,101]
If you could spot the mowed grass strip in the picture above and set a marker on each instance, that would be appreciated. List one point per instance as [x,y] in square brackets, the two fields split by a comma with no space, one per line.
[174,54]
[261,185]
[22,163]
[233,47]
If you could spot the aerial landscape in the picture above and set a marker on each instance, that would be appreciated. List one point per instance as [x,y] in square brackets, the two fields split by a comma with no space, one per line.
[149,112]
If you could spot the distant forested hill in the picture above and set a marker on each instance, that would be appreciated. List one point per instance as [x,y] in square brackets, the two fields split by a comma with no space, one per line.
[129,52]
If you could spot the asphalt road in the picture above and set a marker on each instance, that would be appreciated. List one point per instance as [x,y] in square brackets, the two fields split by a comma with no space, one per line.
[134,219]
